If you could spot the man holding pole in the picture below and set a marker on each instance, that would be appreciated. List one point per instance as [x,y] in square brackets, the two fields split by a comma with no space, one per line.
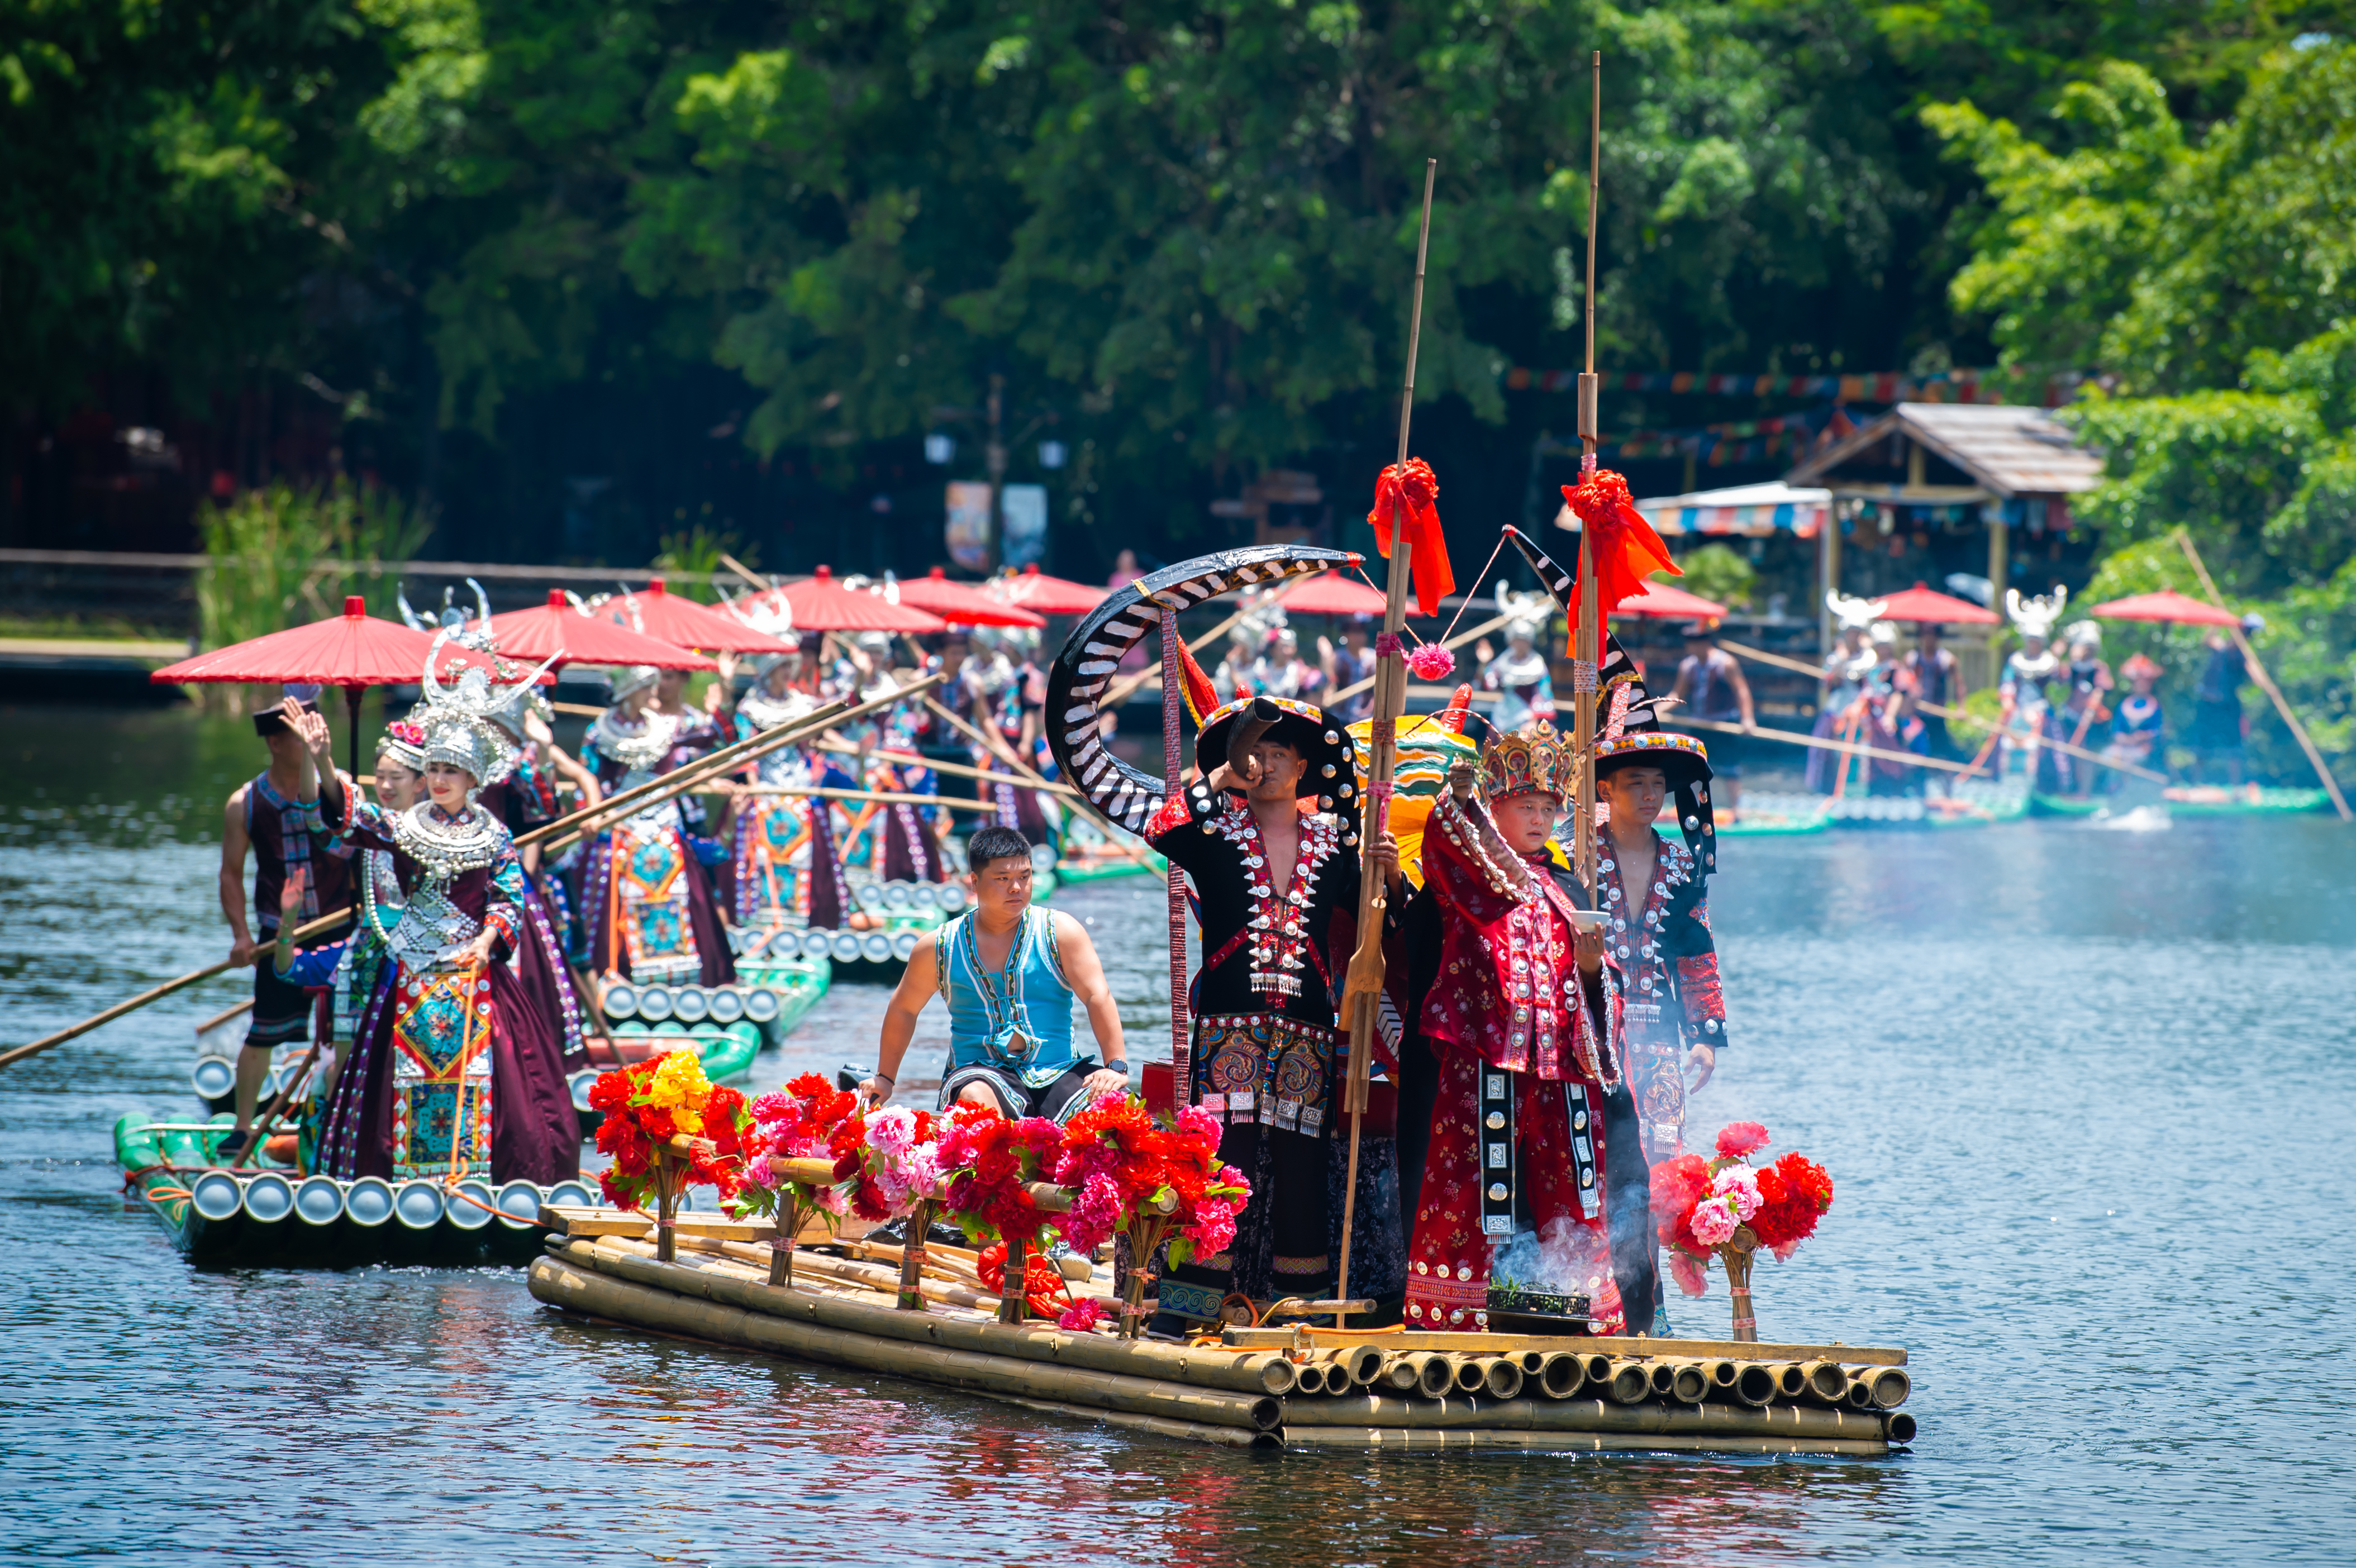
[277,815]
[1274,870]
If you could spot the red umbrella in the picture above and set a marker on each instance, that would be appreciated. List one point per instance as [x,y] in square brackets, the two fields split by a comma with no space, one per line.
[685,624]
[820,604]
[353,650]
[557,630]
[1924,602]
[2166,606]
[961,604]
[1330,593]
[1670,603]
[1044,595]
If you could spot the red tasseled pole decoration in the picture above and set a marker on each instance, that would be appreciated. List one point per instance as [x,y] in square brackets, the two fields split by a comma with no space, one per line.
[1626,549]
[1411,491]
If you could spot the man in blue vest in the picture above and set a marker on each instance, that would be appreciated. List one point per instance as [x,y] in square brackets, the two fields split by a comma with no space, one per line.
[1009,973]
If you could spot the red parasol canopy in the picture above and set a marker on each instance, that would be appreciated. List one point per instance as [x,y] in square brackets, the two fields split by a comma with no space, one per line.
[557,629]
[1330,593]
[353,649]
[961,604]
[1670,603]
[1922,602]
[819,603]
[685,624]
[1044,595]
[2165,605]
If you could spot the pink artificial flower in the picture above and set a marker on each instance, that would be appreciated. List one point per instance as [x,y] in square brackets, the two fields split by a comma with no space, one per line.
[1199,1123]
[1082,1316]
[1739,1183]
[1737,1139]
[1431,662]
[1691,1275]
[1714,1222]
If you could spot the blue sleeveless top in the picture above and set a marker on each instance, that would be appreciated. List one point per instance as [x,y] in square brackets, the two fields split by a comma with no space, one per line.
[1018,1019]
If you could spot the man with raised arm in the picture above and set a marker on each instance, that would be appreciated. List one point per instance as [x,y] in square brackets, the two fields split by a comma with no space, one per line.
[276,815]
[1008,972]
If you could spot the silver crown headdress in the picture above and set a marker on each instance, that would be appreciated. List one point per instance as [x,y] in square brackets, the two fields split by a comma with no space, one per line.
[2080,633]
[458,715]
[2035,617]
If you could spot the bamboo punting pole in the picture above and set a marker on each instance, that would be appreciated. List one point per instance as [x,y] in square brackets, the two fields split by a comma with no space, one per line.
[1588,634]
[1363,987]
[1778,661]
[222,1017]
[591,819]
[636,1290]
[952,770]
[319,927]
[997,747]
[871,797]
[2258,673]
[1817,742]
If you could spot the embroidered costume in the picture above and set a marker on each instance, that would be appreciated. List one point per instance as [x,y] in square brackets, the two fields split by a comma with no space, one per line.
[773,836]
[1265,1048]
[1529,1065]
[1521,675]
[647,886]
[455,1071]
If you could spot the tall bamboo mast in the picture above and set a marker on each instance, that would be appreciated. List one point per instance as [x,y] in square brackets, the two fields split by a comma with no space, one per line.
[1362,993]
[1588,635]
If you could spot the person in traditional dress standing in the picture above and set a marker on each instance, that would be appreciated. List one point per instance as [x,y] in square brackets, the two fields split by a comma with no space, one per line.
[2026,669]
[1346,665]
[647,888]
[1843,689]
[1009,973]
[2137,725]
[457,1070]
[1276,874]
[1531,1125]
[1284,673]
[1520,675]
[775,837]
[2221,731]
[278,815]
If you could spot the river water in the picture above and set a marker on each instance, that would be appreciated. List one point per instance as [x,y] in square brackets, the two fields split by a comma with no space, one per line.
[2086,1095]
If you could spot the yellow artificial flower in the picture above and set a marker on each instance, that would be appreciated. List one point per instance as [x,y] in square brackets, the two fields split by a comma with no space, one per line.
[679,1084]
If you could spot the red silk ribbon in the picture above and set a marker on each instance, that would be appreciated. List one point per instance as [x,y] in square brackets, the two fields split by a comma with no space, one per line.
[1411,491]
[1626,548]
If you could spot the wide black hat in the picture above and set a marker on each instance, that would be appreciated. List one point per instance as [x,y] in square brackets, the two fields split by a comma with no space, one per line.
[1320,739]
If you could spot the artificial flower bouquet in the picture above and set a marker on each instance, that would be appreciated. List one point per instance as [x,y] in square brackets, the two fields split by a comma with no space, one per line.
[648,1103]
[1728,1207]
[1144,1178]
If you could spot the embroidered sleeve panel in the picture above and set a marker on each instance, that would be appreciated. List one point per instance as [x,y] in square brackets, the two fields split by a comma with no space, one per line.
[1703,996]
[503,911]
[1188,820]
[364,824]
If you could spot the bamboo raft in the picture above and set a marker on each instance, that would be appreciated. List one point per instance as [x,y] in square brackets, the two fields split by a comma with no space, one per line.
[1257,1388]
[270,1216]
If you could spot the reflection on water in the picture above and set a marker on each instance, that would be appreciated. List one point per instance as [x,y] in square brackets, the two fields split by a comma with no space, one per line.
[2076,1088]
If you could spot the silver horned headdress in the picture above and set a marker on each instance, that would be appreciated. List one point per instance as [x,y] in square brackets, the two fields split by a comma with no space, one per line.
[458,716]
[2035,617]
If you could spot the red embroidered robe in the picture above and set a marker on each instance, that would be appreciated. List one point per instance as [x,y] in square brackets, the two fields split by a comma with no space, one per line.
[1509,1000]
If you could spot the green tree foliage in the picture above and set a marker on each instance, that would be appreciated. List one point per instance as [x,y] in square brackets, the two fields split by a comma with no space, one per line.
[2209,275]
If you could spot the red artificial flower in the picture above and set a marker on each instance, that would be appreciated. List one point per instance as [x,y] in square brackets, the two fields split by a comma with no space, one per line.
[1677,1182]
[1737,1139]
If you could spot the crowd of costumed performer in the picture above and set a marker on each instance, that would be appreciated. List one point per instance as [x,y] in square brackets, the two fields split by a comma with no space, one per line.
[647,892]
[456,1070]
